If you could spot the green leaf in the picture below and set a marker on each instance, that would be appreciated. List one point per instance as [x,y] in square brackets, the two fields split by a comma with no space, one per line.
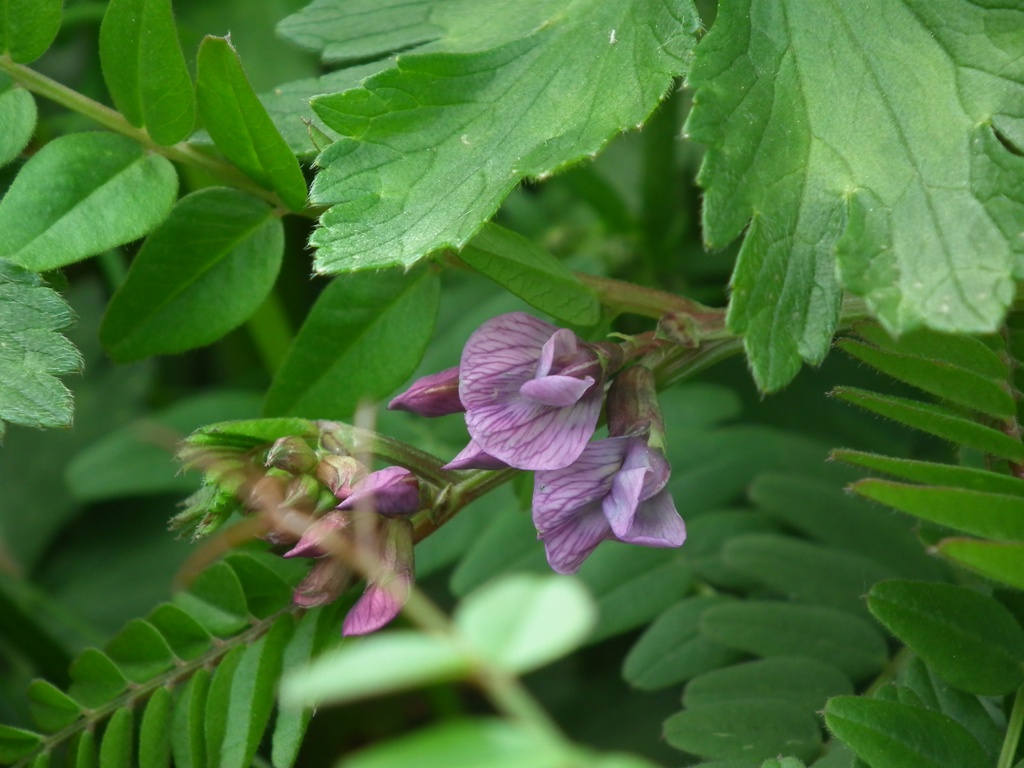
[932,473]
[995,560]
[51,708]
[824,139]
[116,746]
[962,351]
[969,638]
[336,361]
[188,742]
[770,629]
[523,622]
[240,126]
[183,634]
[17,119]
[27,27]
[531,273]
[372,666]
[95,679]
[216,600]
[84,749]
[672,649]
[16,743]
[140,651]
[707,535]
[467,744]
[253,686]
[983,514]
[155,731]
[942,379]
[508,544]
[433,145]
[145,69]
[804,682]
[80,195]
[200,274]
[751,729]
[218,699]
[266,589]
[32,351]
[935,420]
[887,734]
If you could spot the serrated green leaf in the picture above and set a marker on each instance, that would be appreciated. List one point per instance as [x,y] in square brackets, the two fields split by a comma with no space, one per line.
[432,146]
[770,629]
[253,686]
[932,473]
[995,560]
[466,744]
[935,420]
[183,634]
[754,728]
[17,119]
[116,746]
[95,679]
[216,600]
[806,683]
[672,649]
[59,209]
[200,274]
[188,738]
[27,27]
[374,665]
[16,743]
[969,638]
[140,651]
[155,731]
[32,351]
[523,622]
[335,361]
[240,126]
[51,708]
[942,379]
[957,349]
[891,735]
[531,273]
[983,514]
[145,70]
[814,138]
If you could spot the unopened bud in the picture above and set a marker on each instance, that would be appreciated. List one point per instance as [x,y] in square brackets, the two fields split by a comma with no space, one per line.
[433,395]
[323,584]
[302,491]
[392,492]
[340,474]
[387,588]
[633,407]
[315,542]
[292,454]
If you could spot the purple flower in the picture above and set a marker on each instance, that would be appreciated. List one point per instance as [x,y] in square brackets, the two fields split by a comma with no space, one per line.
[392,492]
[615,490]
[311,544]
[532,392]
[387,587]
[433,395]
[472,457]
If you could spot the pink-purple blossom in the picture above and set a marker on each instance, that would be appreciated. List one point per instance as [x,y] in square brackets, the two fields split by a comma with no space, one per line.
[392,492]
[433,395]
[388,584]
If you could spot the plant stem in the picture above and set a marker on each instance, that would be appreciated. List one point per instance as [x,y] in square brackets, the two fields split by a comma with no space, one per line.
[1013,729]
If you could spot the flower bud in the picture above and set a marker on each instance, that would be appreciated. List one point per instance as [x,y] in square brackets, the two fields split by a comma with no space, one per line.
[292,454]
[387,588]
[633,407]
[312,543]
[433,395]
[392,492]
[302,491]
[323,584]
[340,474]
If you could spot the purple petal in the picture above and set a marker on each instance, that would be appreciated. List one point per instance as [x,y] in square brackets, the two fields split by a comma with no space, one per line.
[392,492]
[562,344]
[433,395]
[376,608]
[620,506]
[310,545]
[559,391]
[568,545]
[323,584]
[560,494]
[472,457]
[641,455]
[656,523]
[388,588]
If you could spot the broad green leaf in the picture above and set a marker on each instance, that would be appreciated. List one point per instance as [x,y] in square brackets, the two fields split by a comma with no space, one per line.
[51,708]
[531,273]
[240,126]
[216,600]
[969,638]
[887,734]
[145,70]
[508,544]
[245,434]
[32,351]
[945,380]
[80,195]
[432,146]
[374,665]
[184,634]
[267,589]
[155,731]
[935,420]
[27,27]
[218,700]
[754,728]
[200,274]
[824,137]
[807,683]
[467,744]
[140,651]
[995,560]
[363,337]
[995,515]
[17,119]
[16,743]
[188,742]
[252,695]
[708,534]
[962,351]
[95,679]
[523,622]
[672,649]
[933,473]
[84,749]
[770,629]
[116,746]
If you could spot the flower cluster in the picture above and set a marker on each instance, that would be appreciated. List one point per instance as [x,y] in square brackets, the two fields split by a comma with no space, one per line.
[532,395]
